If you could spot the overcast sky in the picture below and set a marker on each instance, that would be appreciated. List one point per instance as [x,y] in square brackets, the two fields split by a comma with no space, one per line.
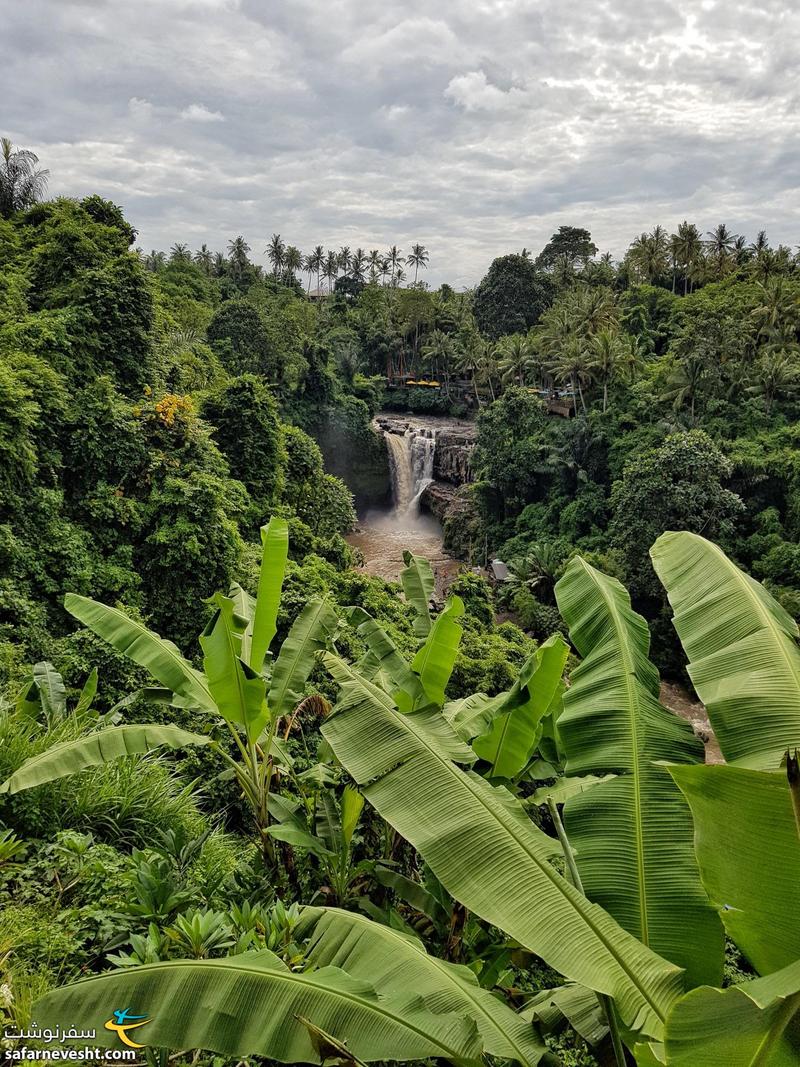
[473,126]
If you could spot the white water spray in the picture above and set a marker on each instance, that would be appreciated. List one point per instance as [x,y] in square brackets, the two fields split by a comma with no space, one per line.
[411,464]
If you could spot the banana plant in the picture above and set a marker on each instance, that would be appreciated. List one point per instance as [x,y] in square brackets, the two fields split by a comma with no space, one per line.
[744,659]
[331,840]
[745,665]
[241,681]
[481,845]
[370,989]
[632,833]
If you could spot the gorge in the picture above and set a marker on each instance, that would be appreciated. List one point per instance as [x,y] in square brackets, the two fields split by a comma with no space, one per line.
[428,459]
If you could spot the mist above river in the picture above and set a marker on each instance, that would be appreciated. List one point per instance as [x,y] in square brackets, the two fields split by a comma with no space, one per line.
[384,534]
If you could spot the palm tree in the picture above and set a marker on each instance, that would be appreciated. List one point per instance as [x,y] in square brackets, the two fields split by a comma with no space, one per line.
[686,382]
[154,261]
[293,259]
[721,243]
[276,253]
[358,265]
[440,350]
[384,269]
[331,269]
[605,354]
[688,248]
[22,184]
[399,276]
[395,256]
[517,353]
[418,258]
[318,257]
[309,267]
[649,254]
[237,256]
[220,264]
[344,259]
[204,258]
[573,364]
[374,261]
[776,372]
[180,253]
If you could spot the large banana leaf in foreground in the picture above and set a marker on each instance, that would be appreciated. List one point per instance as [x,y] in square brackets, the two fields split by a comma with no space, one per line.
[253,1004]
[69,757]
[157,655]
[756,1024]
[482,847]
[742,647]
[632,834]
[398,966]
[749,853]
[509,743]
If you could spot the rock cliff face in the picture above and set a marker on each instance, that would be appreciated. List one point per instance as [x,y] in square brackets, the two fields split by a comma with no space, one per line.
[455,440]
[452,458]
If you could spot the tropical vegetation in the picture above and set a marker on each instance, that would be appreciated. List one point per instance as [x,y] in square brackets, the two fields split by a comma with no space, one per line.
[284,810]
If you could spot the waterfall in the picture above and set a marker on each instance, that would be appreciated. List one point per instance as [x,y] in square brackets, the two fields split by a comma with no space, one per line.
[411,464]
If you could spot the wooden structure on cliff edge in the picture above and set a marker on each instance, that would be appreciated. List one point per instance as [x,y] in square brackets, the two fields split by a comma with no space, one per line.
[557,402]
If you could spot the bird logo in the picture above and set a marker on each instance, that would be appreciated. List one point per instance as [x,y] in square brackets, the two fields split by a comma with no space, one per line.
[122,1021]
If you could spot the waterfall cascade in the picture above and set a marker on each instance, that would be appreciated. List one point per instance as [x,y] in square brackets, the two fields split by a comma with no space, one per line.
[411,465]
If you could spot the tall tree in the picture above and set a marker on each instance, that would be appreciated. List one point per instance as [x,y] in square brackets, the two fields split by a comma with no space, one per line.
[331,269]
[721,243]
[238,260]
[358,265]
[22,183]
[395,257]
[418,258]
[204,258]
[276,253]
[571,244]
[344,260]
[293,259]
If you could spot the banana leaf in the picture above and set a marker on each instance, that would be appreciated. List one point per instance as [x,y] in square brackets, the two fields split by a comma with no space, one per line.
[403,684]
[570,1003]
[742,647]
[748,848]
[513,735]
[310,632]
[51,689]
[418,585]
[87,694]
[566,788]
[399,967]
[434,662]
[633,834]
[274,553]
[755,1024]
[238,691]
[95,749]
[248,1005]
[157,655]
[470,716]
[483,848]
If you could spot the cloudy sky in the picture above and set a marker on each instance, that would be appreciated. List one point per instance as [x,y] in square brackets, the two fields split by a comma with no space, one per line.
[474,126]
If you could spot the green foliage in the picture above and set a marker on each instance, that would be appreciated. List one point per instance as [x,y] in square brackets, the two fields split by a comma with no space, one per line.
[249,434]
[511,297]
[675,487]
[239,336]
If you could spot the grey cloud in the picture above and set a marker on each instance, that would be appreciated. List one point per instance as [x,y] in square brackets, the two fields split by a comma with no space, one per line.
[476,128]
